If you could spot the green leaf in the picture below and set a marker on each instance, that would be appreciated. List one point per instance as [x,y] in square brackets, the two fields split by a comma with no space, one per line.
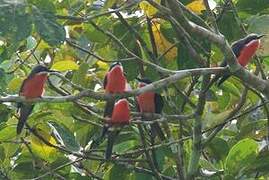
[256,129]
[15,84]
[260,25]
[79,76]
[30,43]
[117,172]
[4,113]
[142,176]
[7,132]
[45,6]
[231,88]
[65,65]
[16,23]
[22,171]
[41,149]
[241,156]
[252,7]
[48,28]
[2,154]
[125,146]
[64,136]
[184,61]
[218,148]
[109,3]
[95,35]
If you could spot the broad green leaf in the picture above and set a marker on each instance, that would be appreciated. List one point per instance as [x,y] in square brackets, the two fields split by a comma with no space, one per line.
[79,76]
[117,172]
[64,136]
[65,65]
[48,28]
[212,119]
[24,171]
[261,162]
[241,156]
[125,146]
[44,151]
[230,87]
[44,6]
[16,22]
[148,9]
[256,129]
[7,132]
[15,84]
[31,43]
[197,6]
[252,7]
[95,35]
[141,176]
[260,25]
[218,148]
[2,154]
[227,21]
[163,44]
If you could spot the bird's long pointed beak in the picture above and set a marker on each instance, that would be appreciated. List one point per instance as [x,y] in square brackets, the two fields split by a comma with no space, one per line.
[138,79]
[48,72]
[260,36]
[53,71]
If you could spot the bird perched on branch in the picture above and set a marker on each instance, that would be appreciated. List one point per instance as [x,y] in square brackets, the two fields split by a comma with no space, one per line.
[151,102]
[32,87]
[120,117]
[114,82]
[244,49]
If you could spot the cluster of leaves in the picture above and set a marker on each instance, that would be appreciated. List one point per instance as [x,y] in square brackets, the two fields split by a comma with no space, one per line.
[79,38]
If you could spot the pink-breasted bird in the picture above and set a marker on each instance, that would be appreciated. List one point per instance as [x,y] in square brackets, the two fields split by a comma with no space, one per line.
[244,49]
[151,102]
[120,117]
[114,82]
[32,87]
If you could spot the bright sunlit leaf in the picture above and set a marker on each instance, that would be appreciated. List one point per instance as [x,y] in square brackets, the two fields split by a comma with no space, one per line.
[162,43]
[197,6]
[40,148]
[65,66]
[148,9]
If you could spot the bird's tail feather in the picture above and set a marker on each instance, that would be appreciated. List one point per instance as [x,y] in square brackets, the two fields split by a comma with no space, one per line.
[109,108]
[156,130]
[25,111]
[110,142]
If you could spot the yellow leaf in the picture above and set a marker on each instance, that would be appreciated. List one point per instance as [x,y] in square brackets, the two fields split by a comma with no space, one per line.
[15,84]
[102,65]
[148,9]
[197,6]
[162,43]
[65,65]
[40,148]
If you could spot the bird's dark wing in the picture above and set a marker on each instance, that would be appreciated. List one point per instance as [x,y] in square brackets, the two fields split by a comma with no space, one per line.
[110,142]
[105,82]
[158,103]
[137,105]
[19,105]
[237,47]
[109,108]
[220,78]
[156,129]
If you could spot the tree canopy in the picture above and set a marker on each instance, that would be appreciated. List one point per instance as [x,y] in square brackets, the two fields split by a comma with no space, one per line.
[210,132]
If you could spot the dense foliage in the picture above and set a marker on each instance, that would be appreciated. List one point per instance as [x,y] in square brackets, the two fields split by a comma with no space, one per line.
[220,133]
